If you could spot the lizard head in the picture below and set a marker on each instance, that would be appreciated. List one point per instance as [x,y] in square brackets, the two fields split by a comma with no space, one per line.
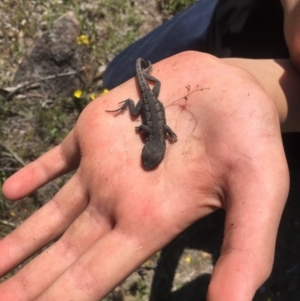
[152,155]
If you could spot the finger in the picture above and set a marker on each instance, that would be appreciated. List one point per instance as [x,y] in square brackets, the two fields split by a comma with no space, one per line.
[98,270]
[59,160]
[253,210]
[43,226]
[42,271]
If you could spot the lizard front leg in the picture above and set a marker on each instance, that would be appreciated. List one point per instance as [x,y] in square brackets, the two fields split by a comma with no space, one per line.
[144,128]
[134,109]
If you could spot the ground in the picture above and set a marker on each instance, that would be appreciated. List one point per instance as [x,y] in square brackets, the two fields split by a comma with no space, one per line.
[30,124]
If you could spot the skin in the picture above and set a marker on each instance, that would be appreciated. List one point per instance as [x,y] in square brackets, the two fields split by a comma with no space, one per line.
[292,30]
[112,215]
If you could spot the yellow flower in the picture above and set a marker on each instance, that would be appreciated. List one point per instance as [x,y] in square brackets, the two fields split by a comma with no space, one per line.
[77,93]
[105,91]
[92,96]
[188,259]
[83,39]
[147,263]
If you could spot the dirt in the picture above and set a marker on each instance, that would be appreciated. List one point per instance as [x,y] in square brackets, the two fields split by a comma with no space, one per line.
[181,271]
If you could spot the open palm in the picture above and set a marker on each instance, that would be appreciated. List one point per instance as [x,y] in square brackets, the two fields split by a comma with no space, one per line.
[112,214]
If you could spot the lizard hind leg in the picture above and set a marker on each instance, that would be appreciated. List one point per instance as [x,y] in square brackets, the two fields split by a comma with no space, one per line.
[148,67]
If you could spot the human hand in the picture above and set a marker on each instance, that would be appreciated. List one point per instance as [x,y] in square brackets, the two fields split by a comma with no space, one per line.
[112,214]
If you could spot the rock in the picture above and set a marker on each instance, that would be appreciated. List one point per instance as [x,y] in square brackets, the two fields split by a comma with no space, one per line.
[54,60]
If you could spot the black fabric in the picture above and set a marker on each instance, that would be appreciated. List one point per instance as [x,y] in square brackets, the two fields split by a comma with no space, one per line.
[186,31]
[247,28]
[236,28]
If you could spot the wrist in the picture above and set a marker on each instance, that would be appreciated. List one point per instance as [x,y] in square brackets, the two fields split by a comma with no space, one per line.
[281,82]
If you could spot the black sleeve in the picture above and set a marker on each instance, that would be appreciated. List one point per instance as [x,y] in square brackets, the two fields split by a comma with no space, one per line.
[247,28]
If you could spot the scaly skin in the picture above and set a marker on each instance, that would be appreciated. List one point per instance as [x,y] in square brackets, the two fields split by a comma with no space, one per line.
[152,111]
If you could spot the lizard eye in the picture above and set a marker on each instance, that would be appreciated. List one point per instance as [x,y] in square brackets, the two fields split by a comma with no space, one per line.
[151,156]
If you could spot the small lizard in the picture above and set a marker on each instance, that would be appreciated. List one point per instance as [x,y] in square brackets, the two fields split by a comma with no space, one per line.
[154,124]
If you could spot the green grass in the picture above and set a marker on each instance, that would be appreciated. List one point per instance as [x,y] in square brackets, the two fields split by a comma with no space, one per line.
[28,126]
[110,26]
[175,6]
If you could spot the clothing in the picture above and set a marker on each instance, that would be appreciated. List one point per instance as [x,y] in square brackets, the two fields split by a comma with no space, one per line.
[224,28]
[186,31]
[247,28]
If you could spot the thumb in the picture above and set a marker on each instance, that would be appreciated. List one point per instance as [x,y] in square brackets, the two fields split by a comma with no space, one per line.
[253,211]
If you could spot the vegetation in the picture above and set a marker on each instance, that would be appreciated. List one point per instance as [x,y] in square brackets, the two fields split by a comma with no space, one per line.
[175,6]
[30,125]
